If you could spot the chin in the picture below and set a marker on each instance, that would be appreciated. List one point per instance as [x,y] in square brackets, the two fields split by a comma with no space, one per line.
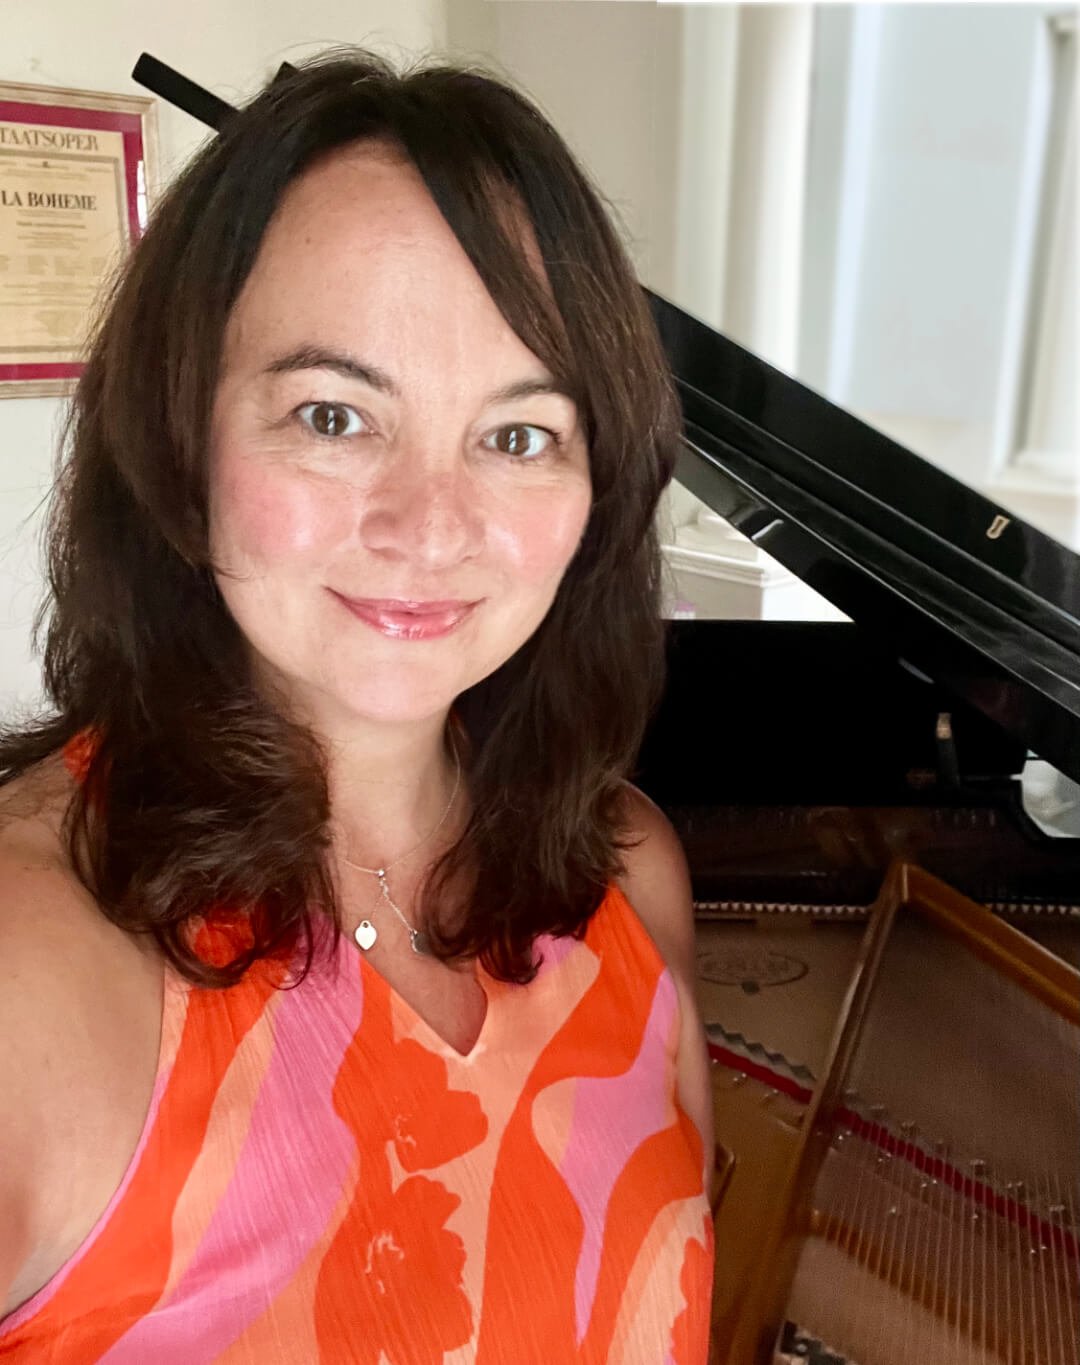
[416,682]
[399,698]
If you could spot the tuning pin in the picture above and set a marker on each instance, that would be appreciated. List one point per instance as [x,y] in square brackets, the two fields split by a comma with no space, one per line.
[978,1168]
[909,1129]
[941,1156]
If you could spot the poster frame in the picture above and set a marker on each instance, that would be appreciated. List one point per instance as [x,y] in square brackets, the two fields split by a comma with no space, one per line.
[82,113]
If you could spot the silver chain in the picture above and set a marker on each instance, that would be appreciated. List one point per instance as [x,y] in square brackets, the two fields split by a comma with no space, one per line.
[366,933]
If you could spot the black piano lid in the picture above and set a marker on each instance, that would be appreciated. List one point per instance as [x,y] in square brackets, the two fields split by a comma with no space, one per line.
[954,585]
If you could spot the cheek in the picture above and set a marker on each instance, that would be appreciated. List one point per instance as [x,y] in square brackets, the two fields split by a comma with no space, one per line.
[538,542]
[262,517]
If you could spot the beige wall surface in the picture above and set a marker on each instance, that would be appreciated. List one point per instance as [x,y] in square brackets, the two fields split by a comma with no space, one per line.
[229,46]
[609,78]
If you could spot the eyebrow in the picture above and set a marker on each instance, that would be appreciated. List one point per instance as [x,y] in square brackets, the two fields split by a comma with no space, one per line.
[316,358]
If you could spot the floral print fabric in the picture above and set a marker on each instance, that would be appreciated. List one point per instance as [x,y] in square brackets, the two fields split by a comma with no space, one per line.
[322,1178]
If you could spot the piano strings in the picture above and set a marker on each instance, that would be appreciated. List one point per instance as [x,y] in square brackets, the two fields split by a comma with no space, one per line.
[941,1225]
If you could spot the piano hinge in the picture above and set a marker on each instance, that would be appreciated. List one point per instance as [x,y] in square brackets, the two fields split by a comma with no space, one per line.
[733,909]
[1007,910]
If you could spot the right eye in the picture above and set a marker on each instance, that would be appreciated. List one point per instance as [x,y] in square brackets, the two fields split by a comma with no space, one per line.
[330,419]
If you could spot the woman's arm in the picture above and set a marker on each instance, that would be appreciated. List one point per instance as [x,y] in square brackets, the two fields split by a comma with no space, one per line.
[657,885]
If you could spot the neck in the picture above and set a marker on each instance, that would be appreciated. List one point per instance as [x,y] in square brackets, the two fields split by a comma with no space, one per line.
[389,782]
[389,790]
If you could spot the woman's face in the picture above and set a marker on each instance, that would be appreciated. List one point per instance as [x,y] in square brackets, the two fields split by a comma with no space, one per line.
[382,441]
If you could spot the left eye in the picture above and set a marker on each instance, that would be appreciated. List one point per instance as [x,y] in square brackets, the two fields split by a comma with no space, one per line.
[522,440]
[331,419]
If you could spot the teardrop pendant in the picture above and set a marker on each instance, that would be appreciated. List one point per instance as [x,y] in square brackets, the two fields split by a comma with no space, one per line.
[420,942]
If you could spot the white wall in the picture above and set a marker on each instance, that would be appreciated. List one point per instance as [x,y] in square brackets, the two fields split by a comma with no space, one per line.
[230,46]
[609,78]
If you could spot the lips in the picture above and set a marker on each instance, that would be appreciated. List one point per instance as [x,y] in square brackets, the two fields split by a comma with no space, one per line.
[406,619]
[397,604]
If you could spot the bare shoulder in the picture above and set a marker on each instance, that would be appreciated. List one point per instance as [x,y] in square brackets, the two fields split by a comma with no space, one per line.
[657,884]
[67,1041]
[34,872]
[43,905]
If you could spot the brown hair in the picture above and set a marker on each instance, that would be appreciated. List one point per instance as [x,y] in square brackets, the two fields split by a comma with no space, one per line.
[199,792]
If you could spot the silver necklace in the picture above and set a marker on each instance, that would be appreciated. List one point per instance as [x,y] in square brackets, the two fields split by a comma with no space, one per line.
[366,933]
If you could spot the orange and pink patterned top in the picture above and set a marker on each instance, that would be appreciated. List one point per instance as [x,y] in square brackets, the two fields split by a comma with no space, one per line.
[322,1178]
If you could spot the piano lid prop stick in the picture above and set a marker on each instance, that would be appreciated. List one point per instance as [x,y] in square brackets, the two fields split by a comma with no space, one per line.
[193,99]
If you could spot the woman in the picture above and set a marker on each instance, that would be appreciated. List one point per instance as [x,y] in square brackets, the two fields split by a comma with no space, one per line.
[348,984]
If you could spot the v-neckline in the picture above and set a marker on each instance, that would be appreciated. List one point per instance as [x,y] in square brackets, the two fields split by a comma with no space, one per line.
[366,965]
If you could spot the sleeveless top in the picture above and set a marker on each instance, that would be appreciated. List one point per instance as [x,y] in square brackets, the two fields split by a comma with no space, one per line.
[322,1178]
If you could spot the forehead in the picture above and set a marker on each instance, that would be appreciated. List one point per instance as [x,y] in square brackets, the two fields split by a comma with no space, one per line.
[357,244]
[358,199]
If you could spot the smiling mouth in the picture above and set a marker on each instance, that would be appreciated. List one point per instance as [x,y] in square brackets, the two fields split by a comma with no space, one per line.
[407,619]
[414,608]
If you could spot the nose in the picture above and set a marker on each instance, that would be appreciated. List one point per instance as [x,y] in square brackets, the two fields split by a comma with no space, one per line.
[426,508]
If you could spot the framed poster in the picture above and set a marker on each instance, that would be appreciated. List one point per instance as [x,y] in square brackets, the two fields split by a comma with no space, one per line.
[77,170]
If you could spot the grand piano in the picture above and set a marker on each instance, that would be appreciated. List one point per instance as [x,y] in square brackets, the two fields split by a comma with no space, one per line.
[888,944]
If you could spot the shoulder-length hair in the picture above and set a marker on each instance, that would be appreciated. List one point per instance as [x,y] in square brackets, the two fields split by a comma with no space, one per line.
[200,794]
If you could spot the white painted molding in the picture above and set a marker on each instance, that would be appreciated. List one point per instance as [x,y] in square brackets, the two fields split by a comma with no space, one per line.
[706,136]
[768,179]
[859,123]
[1012,373]
[1048,428]
[715,572]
